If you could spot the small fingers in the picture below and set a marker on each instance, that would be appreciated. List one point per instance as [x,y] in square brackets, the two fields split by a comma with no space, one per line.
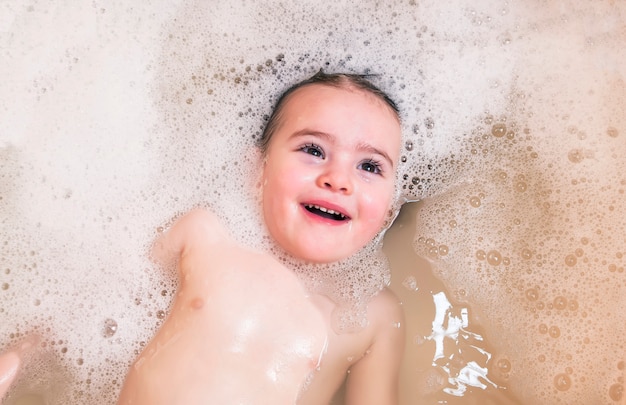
[11,361]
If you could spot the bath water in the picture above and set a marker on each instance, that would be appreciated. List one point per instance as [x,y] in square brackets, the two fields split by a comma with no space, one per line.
[115,118]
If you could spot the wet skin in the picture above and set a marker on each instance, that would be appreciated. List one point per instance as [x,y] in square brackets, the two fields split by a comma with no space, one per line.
[328,184]
[241,329]
[329,172]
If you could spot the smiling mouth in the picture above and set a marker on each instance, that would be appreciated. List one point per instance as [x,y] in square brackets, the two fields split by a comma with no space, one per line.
[326,213]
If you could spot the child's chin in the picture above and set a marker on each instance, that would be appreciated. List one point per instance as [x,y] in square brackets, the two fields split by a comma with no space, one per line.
[315,256]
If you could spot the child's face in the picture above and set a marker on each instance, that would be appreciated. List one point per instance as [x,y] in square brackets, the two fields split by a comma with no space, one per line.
[329,174]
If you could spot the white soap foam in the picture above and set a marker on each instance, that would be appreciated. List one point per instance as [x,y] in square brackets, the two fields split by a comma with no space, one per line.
[532,224]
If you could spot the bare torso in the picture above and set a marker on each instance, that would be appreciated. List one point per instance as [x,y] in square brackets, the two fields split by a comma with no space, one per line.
[354,358]
[241,330]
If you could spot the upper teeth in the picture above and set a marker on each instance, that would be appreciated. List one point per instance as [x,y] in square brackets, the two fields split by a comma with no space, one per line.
[331,212]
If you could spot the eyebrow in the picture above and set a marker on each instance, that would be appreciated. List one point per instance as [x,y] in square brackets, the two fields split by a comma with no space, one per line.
[364,147]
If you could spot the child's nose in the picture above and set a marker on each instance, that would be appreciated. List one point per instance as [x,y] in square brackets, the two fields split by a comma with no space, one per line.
[336,179]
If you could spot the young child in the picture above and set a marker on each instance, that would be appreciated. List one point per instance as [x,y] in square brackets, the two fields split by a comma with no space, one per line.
[334,142]
[242,329]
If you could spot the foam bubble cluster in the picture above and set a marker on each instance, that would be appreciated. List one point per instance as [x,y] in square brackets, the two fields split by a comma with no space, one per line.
[531,214]
[116,119]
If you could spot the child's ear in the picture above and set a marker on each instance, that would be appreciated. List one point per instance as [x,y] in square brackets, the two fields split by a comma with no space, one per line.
[394,210]
[262,178]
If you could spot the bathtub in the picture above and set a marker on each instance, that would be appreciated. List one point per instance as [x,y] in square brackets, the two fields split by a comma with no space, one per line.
[508,255]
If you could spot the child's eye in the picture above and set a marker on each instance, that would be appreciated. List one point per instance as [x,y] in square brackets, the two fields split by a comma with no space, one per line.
[312,149]
[371,166]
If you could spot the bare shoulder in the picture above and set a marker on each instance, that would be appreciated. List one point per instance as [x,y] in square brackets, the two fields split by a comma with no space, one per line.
[197,227]
[385,309]
[200,222]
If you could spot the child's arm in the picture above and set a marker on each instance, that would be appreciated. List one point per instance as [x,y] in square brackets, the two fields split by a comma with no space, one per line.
[374,378]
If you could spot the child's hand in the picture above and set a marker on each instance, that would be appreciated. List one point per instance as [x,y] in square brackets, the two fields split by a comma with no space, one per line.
[11,360]
[9,365]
